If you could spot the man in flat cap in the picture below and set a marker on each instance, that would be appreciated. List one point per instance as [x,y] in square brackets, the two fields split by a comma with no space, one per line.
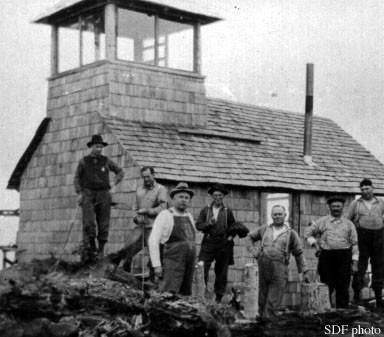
[174,227]
[216,221]
[367,213]
[335,240]
[93,186]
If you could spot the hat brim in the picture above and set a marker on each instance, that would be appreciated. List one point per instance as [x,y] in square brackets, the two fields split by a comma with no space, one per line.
[173,192]
[89,144]
[330,201]
[211,190]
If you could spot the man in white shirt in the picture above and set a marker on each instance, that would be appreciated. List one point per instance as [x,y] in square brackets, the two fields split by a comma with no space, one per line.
[175,229]
[335,240]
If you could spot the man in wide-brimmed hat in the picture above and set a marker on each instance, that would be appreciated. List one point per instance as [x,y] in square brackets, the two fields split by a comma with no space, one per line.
[217,222]
[174,227]
[93,186]
[335,240]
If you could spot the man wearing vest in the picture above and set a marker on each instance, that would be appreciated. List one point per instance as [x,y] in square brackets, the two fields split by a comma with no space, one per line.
[278,241]
[151,198]
[175,229]
[367,213]
[215,221]
[93,186]
[335,240]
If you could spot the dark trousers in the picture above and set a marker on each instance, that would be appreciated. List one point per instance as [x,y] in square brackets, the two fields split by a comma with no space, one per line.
[371,246]
[273,278]
[335,271]
[96,207]
[219,250]
[178,267]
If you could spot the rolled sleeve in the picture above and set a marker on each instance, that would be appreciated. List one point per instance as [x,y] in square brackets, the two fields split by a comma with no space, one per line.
[201,223]
[297,252]
[115,168]
[310,233]
[155,239]
[78,173]
[354,244]
[251,238]
[162,201]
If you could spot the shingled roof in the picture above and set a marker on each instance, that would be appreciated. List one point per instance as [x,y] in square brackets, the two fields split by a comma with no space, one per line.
[203,8]
[251,146]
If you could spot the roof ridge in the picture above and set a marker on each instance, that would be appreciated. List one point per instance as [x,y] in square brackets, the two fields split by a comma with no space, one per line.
[213,99]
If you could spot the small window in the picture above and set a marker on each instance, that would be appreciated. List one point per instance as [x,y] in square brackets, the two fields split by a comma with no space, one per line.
[69,46]
[93,38]
[272,199]
[175,46]
[81,41]
[135,37]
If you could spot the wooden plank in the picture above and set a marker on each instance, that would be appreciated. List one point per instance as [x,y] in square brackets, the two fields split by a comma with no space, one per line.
[111,31]
[81,42]
[157,40]
[54,50]
[197,48]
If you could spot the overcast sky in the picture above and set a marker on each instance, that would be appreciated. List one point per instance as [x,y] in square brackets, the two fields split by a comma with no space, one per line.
[256,55]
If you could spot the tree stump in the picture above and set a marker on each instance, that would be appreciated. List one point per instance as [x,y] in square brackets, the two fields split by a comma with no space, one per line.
[251,286]
[198,286]
[314,297]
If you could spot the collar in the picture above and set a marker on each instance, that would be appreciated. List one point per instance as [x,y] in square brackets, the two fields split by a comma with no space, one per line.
[333,219]
[93,155]
[211,206]
[374,199]
[174,211]
[150,187]
[285,226]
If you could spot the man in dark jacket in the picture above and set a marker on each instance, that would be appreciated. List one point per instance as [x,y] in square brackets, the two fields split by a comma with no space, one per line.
[93,186]
[216,221]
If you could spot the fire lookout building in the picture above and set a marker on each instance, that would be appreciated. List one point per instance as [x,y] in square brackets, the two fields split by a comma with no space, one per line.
[131,71]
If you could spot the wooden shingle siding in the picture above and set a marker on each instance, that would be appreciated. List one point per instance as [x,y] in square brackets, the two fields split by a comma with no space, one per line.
[150,95]
[141,112]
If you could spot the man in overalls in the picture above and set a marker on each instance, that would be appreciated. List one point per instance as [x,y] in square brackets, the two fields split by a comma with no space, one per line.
[278,241]
[175,229]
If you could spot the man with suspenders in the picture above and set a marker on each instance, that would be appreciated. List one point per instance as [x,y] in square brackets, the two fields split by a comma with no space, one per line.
[278,242]
[174,228]
[367,213]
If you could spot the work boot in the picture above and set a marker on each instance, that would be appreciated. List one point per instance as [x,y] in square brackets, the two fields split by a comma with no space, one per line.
[100,251]
[127,265]
[218,298]
[379,299]
[357,297]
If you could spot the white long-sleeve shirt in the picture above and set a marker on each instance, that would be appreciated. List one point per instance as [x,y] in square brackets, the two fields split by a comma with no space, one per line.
[161,231]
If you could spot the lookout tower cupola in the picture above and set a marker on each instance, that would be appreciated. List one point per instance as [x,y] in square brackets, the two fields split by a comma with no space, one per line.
[145,55]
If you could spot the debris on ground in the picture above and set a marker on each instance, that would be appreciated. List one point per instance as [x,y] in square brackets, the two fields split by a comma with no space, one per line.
[47,298]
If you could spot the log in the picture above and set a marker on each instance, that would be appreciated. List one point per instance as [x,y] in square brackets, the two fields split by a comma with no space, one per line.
[86,304]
